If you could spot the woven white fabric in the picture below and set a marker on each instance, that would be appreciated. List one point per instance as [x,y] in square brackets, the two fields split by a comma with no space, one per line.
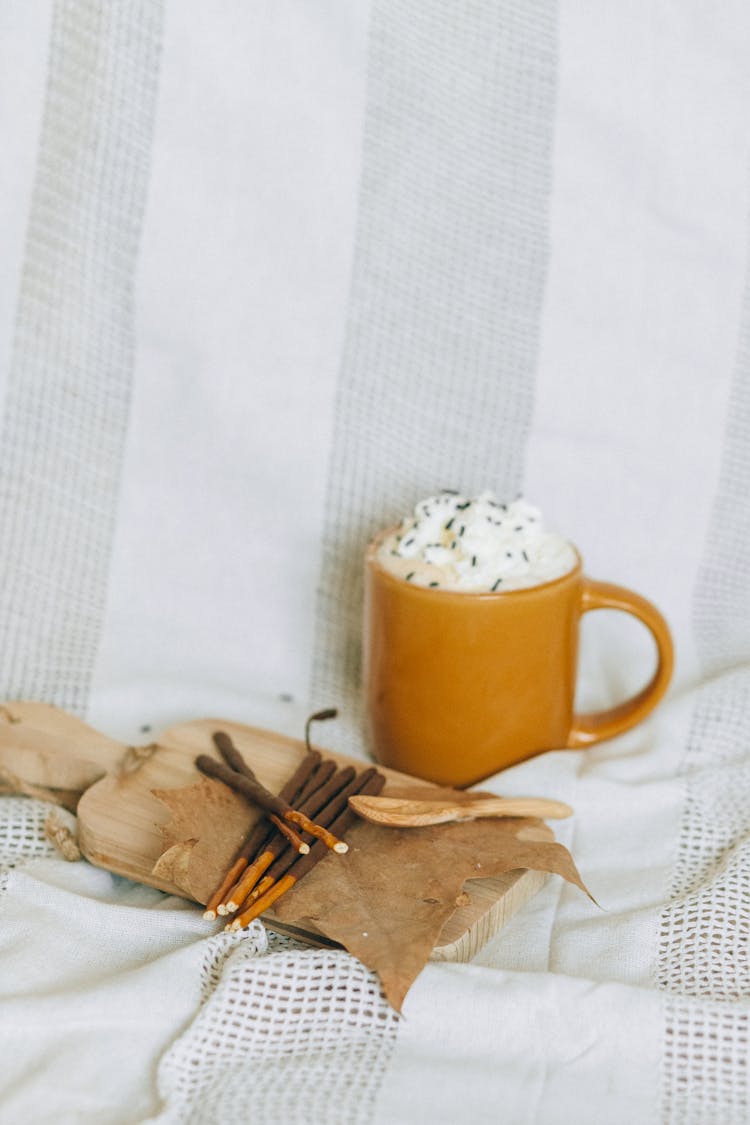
[270,272]
[430,392]
[68,382]
[22,830]
[128,969]
[298,1034]
[705,928]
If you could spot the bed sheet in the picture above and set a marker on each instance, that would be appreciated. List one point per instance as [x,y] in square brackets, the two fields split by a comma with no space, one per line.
[271,273]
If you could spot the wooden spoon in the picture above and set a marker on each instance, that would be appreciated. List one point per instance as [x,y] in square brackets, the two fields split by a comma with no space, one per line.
[400,812]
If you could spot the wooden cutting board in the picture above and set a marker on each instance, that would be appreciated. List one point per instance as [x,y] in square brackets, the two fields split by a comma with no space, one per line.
[120,821]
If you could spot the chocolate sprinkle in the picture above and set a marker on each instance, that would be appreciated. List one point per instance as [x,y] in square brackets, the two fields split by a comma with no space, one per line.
[497,584]
[410,575]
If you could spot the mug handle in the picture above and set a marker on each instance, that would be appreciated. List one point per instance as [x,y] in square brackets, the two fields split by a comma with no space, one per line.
[594,726]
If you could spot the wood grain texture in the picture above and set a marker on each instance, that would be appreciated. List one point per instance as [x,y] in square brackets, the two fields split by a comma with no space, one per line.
[45,746]
[400,812]
[120,822]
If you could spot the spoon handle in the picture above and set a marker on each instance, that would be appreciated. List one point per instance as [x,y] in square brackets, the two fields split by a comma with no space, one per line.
[542,807]
[400,812]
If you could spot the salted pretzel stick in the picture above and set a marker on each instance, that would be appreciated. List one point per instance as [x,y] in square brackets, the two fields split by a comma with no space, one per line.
[259,833]
[256,792]
[370,785]
[311,806]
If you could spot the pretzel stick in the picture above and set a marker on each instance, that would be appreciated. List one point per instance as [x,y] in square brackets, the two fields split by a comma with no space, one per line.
[290,835]
[257,892]
[256,792]
[259,833]
[231,754]
[271,845]
[296,788]
[309,775]
[317,779]
[331,841]
[369,785]
[326,816]
[215,904]
[236,762]
[318,803]
[313,805]
[257,837]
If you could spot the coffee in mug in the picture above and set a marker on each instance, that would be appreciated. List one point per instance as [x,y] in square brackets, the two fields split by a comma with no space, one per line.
[472,613]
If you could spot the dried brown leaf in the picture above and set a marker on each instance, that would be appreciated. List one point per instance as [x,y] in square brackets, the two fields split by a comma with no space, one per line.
[388,898]
[209,823]
[174,865]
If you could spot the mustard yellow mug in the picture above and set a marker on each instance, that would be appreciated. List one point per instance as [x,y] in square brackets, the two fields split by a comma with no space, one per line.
[459,685]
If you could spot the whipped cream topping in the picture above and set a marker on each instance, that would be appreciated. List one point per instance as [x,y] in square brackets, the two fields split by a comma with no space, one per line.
[456,542]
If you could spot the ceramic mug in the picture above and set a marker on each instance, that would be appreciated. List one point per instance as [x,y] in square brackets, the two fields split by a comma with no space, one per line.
[459,685]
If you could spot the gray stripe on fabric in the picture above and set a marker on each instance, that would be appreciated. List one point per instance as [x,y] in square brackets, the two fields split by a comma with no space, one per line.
[703,951]
[437,381]
[68,398]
